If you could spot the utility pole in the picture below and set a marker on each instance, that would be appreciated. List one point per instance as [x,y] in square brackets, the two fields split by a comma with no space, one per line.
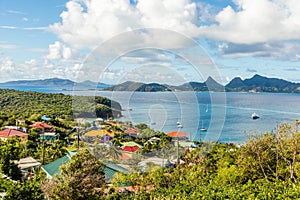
[77,137]
[179,125]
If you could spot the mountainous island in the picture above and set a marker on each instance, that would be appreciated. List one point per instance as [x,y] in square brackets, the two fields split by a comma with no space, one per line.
[257,83]
[57,82]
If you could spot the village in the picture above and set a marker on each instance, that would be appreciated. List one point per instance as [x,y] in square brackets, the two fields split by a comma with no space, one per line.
[121,146]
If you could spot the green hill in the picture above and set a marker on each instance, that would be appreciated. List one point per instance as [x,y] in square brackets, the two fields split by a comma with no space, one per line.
[27,104]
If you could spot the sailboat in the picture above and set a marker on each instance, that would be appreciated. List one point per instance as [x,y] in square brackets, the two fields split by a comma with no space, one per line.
[254,116]
[206,110]
[203,129]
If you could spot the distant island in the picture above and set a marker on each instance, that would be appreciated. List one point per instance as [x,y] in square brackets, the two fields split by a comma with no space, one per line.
[257,83]
[58,83]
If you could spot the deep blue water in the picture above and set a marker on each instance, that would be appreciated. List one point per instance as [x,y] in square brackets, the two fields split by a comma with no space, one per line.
[227,116]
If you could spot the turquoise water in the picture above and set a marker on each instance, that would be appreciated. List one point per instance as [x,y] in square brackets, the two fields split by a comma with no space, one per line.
[227,116]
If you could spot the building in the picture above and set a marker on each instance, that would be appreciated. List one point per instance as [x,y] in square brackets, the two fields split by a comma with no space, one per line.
[131,147]
[42,126]
[131,132]
[9,133]
[110,168]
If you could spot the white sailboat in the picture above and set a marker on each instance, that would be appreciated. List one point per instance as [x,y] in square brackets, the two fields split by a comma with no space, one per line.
[254,116]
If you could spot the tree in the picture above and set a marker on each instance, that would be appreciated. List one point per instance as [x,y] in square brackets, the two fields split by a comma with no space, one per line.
[9,152]
[82,178]
[27,190]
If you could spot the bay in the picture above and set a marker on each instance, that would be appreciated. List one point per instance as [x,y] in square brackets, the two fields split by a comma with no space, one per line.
[226,116]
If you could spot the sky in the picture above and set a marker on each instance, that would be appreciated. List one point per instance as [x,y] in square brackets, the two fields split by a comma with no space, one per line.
[168,41]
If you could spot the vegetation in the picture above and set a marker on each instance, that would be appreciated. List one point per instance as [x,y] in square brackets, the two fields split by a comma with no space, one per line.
[255,84]
[82,178]
[267,167]
[61,108]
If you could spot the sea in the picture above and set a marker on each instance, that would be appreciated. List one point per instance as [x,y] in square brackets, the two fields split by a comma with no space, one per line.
[225,116]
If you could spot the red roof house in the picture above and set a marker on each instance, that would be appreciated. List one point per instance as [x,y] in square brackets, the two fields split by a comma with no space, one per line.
[41,125]
[131,132]
[131,149]
[8,133]
[177,134]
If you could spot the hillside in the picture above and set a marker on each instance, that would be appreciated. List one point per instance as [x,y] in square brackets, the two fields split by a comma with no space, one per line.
[262,84]
[57,83]
[29,104]
[255,84]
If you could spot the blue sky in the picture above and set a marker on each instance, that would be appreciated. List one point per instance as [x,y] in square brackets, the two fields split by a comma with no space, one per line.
[45,39]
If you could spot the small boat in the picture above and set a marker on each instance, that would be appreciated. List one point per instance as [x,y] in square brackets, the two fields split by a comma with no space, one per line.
[203,129]
[254,116]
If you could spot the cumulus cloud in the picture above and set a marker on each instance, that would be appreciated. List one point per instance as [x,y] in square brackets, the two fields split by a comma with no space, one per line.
[59,51]
[87,23]
[256,21]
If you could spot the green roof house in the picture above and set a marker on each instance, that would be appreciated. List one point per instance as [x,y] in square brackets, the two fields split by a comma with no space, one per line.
[53,168]
[110,169]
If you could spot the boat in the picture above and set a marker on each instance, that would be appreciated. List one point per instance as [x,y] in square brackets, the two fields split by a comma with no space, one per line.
[203,129]
[254,116]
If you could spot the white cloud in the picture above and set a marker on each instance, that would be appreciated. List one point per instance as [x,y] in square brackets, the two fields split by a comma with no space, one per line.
[59,51]
[87,23]
[4,45]
[256,21]
[8,27]
[287,50]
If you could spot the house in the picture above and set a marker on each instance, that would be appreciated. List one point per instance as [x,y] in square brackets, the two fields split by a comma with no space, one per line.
[53,168]
[131,132]
[110,168]
[50,136]
[178,135]
[104,135]
[130,147]
[22,129]
[28,166]
[42,126]
[20,122]
[9,133]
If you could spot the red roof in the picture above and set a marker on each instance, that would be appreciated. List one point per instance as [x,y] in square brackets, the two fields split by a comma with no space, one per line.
[177,134]
[7,133]
[131,131]
[131,149]
[40,125]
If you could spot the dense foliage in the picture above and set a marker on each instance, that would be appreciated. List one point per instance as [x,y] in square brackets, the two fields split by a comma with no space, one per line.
[32,105]
[266,167]
[82,178]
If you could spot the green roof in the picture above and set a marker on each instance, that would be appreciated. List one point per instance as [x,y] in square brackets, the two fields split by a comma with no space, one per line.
[111,169]
[131,144]
[53,168]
